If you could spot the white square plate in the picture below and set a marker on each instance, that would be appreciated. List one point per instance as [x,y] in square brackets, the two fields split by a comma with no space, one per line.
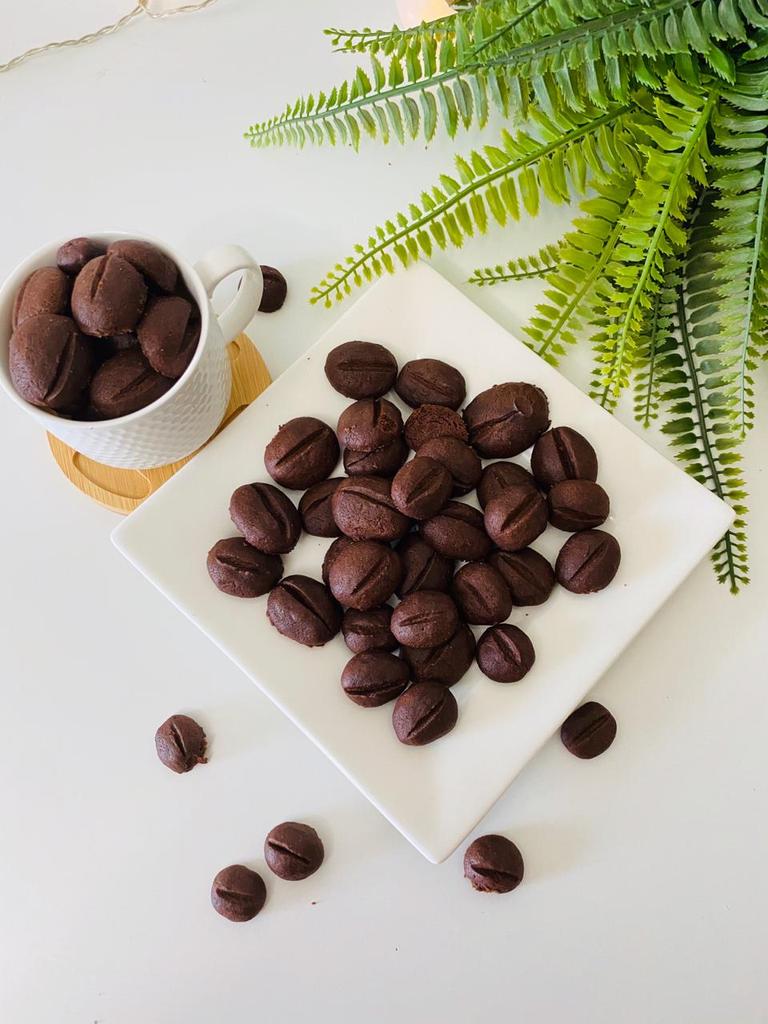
[436,794]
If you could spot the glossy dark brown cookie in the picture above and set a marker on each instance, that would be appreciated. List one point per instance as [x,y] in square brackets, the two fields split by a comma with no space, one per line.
[369,423]
[516,517]
[238,893]
[125,383]
[275,290]
[180,743]
[431,382]
[430,421]
[363,510]
[361,369]
[498,476]
[505,653]
[461,461]
[423,567]
[578,505]
[303,609]
[46,290]
[108,297]
[158,269]
[384,461]
[424,619]
[364,574]
[315,509]
[303,452]
[424,713]
[493,864]
[239,570]
[369,630]
[588,562]
[458,531]
[50,362]
[506,419]
[589,730]
[266,517]
[74,254]
[447,663]
[334,550]
[374,678]
[293,851]
[481,594]
[168,334]
[562,453]
[421,488]
[528,575]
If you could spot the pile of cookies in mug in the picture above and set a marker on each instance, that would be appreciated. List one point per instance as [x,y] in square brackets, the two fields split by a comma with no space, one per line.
[399,530]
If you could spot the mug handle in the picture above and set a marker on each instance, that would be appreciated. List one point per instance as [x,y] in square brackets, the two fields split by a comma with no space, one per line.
[217,265]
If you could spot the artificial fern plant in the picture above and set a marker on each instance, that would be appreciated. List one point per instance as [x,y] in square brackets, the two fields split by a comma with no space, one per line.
[657,112]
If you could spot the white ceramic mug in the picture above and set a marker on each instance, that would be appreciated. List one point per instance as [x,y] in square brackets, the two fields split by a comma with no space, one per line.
[188,414]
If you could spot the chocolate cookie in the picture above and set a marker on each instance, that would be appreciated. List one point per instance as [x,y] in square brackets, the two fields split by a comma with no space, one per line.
[303,610]
[421,488]
[588,562]
[461,461]
[423,567]
[240,570]
[374,678]
[238,893]
[506,419]
[334,550]
[493,864]
[364,575]
[577,505]
[363,510]
[424,619]
[180,744]
[266,517]
[563,454]
[430,421]
[431,382]
[74,254]
[293,851]
[124,383]
[424,713]
[458,531]
[45,291]
[498,476]
[315,508]
[516,517]
[369,423]
[446,663]
[50,362]
[275,290]
[505,654]
[168,335]
[108,297]
[481,594]
[303,452]
[361,369]
[589,730]
[154,265]
[368,631]
[528,575]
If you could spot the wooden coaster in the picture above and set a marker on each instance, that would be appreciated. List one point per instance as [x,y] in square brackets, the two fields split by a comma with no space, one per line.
[123,490]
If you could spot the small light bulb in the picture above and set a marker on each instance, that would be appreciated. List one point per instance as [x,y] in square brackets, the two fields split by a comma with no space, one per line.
[413,12]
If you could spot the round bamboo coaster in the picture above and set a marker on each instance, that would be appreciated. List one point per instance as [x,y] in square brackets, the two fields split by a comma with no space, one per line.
[123,490]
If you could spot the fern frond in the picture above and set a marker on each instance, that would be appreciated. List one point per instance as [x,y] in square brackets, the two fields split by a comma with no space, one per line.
[538,264]
[387,41]
[657,345]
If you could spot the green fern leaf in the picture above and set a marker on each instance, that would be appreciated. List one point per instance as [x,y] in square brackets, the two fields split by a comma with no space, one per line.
[539,264]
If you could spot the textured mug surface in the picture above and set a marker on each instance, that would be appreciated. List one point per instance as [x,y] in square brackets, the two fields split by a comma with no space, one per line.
[188,414]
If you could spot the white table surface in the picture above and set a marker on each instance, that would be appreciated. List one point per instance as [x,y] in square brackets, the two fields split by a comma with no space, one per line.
[644,899]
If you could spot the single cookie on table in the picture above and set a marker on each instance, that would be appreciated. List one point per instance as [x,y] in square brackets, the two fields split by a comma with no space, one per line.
[50,362]
[238,893]
[498,476]
[239,570]
[334,550]
[369,630]
[431,382]
[74,254]
[294,851]
[505,653]
[562,453]
[266,517]
[168,334]
[151,262]
[364,575]
[315,509]
[363,510]
[506,419]
[447,663]
[458,531]
[303,452]
[180,744]
[384,461]
[125,383]
[374,678]
[516,517]
[588,562]
[421,488]
[108,297]
[303,610]
[493,864]
[425,619]
[423,567]
[481,594]
[361,369]
[528,575]
[578,505]
[589,730]
[370,423]
[46,290]
[275,290]
[424,713]
[461,461]
[430,421]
